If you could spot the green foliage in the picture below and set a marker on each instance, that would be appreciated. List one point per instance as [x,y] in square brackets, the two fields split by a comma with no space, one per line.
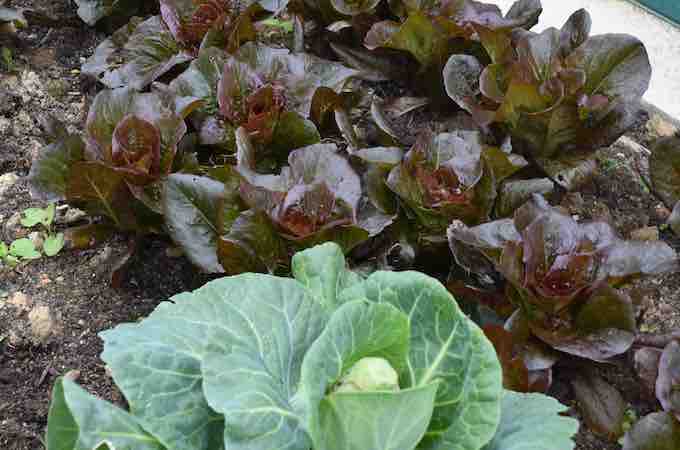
[25,249]
[263,360]
[7,57]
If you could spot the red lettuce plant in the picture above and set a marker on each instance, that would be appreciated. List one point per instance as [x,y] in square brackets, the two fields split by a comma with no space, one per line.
[254,221]
[266,90]
[560,94]
[116,168]
[664,171]
[451,176]
[561,276]
[659,369]
[144,50]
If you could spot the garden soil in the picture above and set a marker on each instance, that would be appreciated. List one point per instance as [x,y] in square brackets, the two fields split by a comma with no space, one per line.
[52,309]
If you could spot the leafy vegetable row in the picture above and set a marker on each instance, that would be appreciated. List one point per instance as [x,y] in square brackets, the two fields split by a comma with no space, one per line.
[245,153]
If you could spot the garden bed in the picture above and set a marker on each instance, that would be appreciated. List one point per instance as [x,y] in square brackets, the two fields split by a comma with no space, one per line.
[52,309]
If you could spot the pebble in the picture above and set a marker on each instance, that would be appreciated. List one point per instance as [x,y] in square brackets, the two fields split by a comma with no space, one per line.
[13,228]
[20,301]
[645,234]
[658,126]
[7,181]
[661,213]
[72,375]
[37,239]
[42,324]
[70,215]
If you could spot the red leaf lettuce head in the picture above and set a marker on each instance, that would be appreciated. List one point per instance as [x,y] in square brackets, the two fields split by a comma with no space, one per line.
[317,194]
[445,177]
[190,20]
[562,275]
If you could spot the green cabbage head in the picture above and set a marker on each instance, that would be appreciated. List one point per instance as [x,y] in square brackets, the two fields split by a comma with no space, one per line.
[326,360]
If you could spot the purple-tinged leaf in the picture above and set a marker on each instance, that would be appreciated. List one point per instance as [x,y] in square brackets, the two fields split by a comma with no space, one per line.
[418,35]
[514,193]
[601,405]
[502,164]
[478,249]
[251,244]
[616,66]
[575,31]
[674,219]
[603,327]
[515,373]
[101,190]
[192,207]
[300,74]
[646,362]
[372,65]
[315,198]
[668,380]
[136,149]
[656,431]
[52,168]
[353,7]
[136,55]
[190,21]
[443,177]
[664,170]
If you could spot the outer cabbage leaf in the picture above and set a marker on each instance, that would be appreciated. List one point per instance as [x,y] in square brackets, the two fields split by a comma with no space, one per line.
[158,362]
[377,420]
[80,421]
[323,270]
[136,55]
[253,384]
[445,346]
[533,422]
[354,331]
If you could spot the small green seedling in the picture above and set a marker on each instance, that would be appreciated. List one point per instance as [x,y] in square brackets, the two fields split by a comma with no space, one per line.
[7,59]
[285,25]
[25,249]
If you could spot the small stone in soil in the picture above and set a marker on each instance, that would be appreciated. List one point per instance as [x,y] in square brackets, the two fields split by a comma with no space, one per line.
[645,234]
[20,301]
[42,324]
